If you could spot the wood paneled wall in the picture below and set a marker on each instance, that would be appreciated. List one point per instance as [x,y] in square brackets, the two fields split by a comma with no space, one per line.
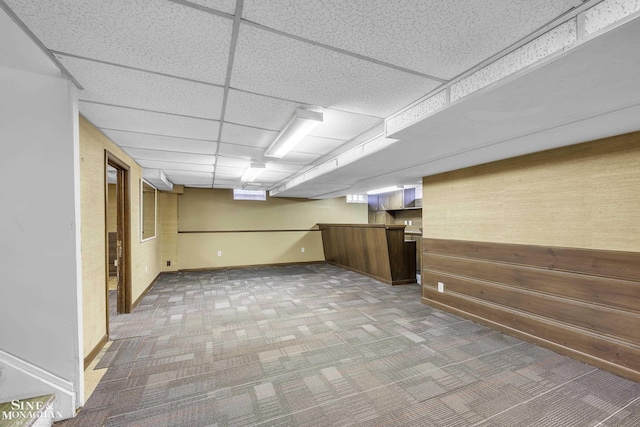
[579,302]
[376,250]
[559,257]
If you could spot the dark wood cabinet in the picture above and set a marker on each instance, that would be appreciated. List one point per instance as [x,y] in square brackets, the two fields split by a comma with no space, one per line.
[377,250]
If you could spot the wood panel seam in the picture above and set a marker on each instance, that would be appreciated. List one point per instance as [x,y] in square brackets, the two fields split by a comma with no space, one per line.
[543,319]
[501,285]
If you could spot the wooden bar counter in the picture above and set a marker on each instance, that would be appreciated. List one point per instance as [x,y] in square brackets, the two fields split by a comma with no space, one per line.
[376,250]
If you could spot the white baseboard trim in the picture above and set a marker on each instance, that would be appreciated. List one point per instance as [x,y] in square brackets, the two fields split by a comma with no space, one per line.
[64,390]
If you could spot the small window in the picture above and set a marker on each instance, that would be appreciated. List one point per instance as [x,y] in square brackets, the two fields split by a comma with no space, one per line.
[260,195]
[357,198]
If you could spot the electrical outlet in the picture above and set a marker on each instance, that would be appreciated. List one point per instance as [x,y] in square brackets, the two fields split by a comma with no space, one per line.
[168,263]
[146,269]
[440,287]
[219,253]
[302,249]
[410,222]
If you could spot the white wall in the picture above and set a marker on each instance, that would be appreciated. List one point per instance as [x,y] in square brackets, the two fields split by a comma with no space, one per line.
[40,325]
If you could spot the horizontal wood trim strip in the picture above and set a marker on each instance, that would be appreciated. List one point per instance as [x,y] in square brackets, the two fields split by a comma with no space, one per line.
[599,319]
[385,226]
[605,291]
[613,264]
[584,341]
[248,231]
[511,323]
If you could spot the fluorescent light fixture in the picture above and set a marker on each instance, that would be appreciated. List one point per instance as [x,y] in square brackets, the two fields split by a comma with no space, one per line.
[252,172]
[302,122]
[239,194]
[385,189]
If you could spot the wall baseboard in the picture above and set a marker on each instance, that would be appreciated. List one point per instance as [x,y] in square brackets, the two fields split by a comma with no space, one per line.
[144,293]
[22,379]
[534,339]
[93,353]
[283,264]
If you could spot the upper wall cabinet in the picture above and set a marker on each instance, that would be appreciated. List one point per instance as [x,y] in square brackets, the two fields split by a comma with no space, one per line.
[395,200]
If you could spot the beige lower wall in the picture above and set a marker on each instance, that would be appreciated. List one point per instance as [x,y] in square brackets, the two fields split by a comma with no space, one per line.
[200,250]
[145,256]
[215,210]
[254,232]
[582,196]
[168,230]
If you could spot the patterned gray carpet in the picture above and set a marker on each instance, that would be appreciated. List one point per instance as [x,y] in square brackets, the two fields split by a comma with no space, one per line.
[317,345]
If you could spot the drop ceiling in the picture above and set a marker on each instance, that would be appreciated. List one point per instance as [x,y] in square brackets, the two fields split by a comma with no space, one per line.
[408,88]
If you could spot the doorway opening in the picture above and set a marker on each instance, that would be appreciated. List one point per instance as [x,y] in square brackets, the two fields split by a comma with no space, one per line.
[117,236]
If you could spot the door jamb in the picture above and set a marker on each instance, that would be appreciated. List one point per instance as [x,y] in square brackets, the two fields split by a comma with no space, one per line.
[124,231]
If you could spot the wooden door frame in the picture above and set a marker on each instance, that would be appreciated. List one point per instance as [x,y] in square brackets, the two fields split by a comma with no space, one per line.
[123,207]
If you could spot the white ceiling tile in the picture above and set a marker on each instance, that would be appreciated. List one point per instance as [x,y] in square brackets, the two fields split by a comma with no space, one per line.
[438,37]
[241,151]
[138,89]
[289,168]
[178,174]
[228,172]
[118,118]
[190,178]
[166,143]
[170,156]
[279,66]
[233,162]
[194,182]
[226,183]
[154,164]
[259,111]
[271,175]
[152,35]
[244,135]
[226,6]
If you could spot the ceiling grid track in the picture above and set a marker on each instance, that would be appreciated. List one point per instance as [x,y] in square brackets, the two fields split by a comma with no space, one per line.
[227,83]
[38,43]
[147,110]
[200,88]
[346,52]
[127,67]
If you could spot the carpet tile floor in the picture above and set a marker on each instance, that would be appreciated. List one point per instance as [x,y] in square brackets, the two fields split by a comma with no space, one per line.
[317,345]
